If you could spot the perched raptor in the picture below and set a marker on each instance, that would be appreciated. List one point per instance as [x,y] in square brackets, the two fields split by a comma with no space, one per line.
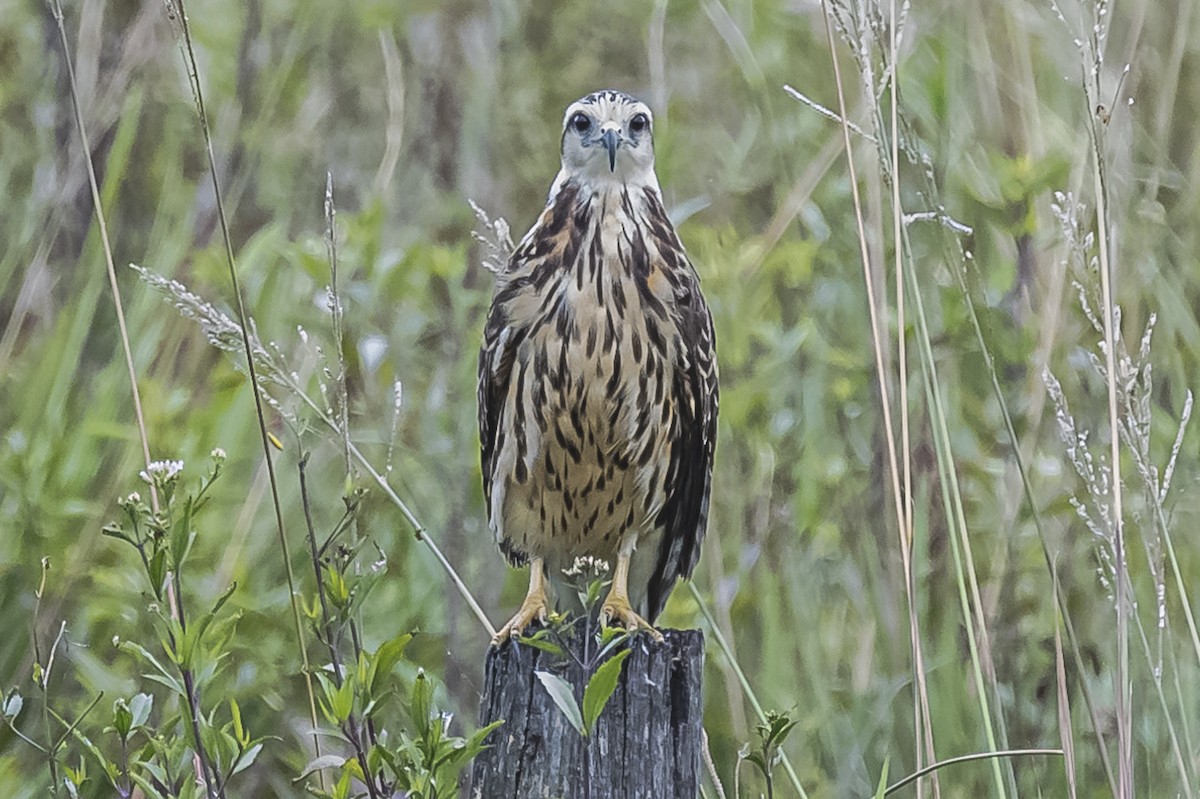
[598,378]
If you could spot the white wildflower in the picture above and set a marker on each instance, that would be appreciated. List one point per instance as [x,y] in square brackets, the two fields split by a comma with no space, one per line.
[586,564]
[161,471]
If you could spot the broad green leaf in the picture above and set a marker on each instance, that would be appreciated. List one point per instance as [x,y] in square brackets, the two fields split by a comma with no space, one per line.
[600,689]
[319,763]
[386,658]
[141,705]
[560,692]
[247,759]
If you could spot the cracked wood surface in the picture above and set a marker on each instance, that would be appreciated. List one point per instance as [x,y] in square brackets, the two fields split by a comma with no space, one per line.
[646,742]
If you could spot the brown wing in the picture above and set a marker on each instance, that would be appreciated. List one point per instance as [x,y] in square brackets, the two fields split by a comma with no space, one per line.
[684,516]
[496,358]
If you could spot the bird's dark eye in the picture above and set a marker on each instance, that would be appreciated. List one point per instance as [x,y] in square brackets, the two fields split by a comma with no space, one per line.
[581,123]
[639,123]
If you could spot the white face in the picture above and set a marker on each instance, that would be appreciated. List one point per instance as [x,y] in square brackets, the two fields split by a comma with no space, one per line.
[608,136]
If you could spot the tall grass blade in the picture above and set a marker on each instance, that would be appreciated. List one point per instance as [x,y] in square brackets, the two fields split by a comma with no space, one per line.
[179,12]
[921,720]
[1065,733]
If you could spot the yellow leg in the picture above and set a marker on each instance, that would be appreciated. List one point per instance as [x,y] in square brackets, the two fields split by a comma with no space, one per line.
[616,608]
[535,606]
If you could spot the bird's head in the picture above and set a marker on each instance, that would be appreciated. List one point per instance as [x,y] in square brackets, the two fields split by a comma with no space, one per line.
[608,136]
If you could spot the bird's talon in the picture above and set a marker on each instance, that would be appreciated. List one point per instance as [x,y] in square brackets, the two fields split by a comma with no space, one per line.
[619,613]
[534,608]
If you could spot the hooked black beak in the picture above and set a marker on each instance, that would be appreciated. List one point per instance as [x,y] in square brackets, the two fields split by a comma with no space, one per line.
[611,140]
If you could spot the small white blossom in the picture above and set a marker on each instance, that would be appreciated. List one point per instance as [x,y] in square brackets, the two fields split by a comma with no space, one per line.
[587,563]
[217,454]
[161,471]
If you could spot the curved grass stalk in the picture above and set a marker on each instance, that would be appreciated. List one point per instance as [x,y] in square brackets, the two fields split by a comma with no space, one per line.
[916,775]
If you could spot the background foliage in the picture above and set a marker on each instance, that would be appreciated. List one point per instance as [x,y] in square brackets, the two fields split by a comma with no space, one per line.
[417,107]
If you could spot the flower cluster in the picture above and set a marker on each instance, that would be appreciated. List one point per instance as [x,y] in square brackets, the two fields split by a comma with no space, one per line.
[161,472]
[588,565]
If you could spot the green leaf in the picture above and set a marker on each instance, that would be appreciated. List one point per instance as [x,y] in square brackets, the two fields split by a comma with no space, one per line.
[320,763]
[342,702]
[181,536]
[336,588]
[600,689]
[165,677]
[560,691]
[141,705]
[538,641]
[195,631]
[114,530]
[110,768]
[881,791]
[386,658]
[610,634]
[777,728]
[146,785]
[122,719]
[158,571]
[247,760]
[239,731]
[472,746]
[422,703]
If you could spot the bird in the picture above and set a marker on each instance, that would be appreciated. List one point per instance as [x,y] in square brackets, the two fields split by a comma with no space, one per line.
[597,384]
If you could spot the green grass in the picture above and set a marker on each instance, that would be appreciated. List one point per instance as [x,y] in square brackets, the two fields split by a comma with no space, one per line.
[416,109]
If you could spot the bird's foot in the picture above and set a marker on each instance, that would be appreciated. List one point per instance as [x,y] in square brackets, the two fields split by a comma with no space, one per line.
[617,611]
[535,607]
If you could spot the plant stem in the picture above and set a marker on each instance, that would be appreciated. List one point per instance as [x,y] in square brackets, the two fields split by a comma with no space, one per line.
[900,498]
[194,77]
[1123,687]
[916,775]
[211,781]
[351,730]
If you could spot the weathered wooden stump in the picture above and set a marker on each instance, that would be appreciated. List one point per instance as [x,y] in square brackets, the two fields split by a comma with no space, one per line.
[646,742]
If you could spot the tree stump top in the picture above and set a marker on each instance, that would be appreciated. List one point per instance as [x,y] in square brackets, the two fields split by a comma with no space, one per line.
[645,743]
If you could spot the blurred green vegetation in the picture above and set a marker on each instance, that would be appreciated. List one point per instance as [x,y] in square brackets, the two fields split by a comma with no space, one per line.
[417,107]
